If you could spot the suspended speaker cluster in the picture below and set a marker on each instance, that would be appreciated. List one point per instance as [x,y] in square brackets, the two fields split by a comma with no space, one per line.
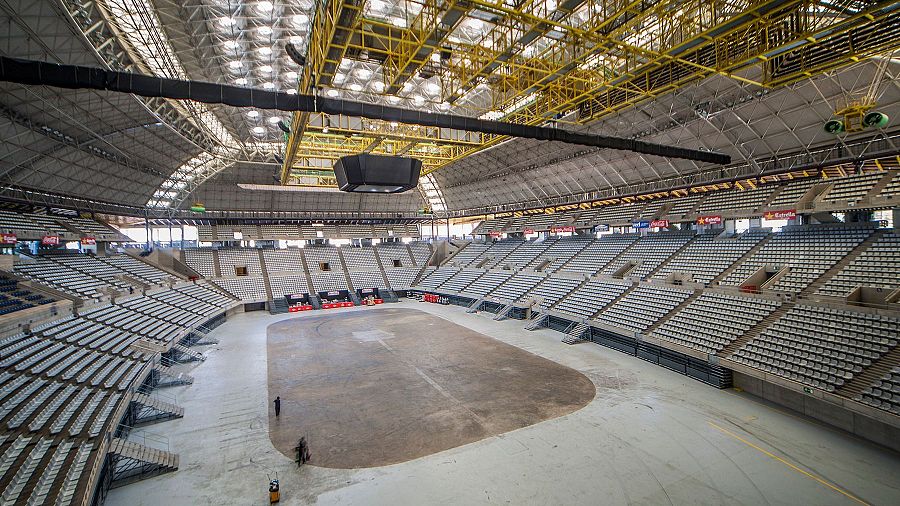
[873,119]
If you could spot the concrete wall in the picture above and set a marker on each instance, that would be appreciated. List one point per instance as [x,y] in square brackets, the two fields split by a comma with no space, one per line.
[832,414]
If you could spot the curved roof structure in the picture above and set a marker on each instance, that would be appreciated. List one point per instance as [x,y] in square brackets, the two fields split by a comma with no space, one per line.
[753,79]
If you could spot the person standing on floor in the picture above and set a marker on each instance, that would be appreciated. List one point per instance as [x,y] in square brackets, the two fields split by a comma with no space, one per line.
[277,405]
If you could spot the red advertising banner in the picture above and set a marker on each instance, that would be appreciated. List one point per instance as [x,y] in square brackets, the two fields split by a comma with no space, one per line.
[783,214]
[528,231]
[50,240]
[558,230]
[659,224]
[495,234]
[709,220]
[8,238]
[88,241]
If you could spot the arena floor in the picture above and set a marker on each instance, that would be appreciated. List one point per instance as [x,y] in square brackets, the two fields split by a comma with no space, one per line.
[648,436]
[372,388]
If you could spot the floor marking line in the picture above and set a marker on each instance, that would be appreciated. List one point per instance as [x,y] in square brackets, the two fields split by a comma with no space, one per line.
[792,466]
[435,385]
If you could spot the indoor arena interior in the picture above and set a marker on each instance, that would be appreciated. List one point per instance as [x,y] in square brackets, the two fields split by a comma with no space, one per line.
[449,252]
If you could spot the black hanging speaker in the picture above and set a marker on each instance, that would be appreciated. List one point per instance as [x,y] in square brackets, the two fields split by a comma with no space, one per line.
[368,173]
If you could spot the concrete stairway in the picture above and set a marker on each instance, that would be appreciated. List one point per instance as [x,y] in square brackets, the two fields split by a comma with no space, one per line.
[265,274]
[733,267]
[755,330]
[306,272]
[844,262]
[674,311]
[870,374]
[216,268]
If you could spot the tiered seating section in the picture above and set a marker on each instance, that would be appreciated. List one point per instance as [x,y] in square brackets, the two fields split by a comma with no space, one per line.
[32,226]
[15,297]
[273,273]
[833,193]
[821,346]
[88,276]
[804,254]
[65,384]
[819,343]
[273,232]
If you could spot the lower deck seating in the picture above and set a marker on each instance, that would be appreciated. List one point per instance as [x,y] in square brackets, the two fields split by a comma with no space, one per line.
[487,282]
[401,278]
[552,289]
[433,277]
[246,288]
[877,267]
[516,286]
[820,346]
[287,285]
[591,297]
[367,279]
[884,393]
[642,307]
[714,320]
[329,281]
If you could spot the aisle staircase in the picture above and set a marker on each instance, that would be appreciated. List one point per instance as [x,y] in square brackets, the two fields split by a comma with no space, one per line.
[278,306]
[844,262]
[474,306]
[870,374]
[755,330]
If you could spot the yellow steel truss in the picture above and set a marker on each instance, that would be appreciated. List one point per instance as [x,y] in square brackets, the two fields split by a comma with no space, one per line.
[593,57]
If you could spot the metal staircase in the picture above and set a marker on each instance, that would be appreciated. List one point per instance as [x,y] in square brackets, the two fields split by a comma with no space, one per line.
[388,296]
[537,323]
[132,461]
[474,306]
[575,333]
[182,354]
[147,408]
[503,313]
[278,306]
[164,376]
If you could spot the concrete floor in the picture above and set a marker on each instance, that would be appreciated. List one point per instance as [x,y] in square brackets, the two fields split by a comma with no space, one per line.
[650,436]
[373,388]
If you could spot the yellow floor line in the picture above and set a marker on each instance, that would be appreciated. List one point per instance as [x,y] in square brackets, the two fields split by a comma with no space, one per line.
[792,466]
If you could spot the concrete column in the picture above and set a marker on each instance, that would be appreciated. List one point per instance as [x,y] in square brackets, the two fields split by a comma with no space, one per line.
[755,222]
[729,226]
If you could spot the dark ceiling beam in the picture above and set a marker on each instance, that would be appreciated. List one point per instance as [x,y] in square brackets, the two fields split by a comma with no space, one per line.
[78,77]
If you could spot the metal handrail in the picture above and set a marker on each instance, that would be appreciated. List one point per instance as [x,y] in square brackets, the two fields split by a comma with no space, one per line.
[142,436]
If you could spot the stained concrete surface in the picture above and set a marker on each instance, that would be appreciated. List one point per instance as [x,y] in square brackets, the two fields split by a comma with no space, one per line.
[650,436]
[372,388]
